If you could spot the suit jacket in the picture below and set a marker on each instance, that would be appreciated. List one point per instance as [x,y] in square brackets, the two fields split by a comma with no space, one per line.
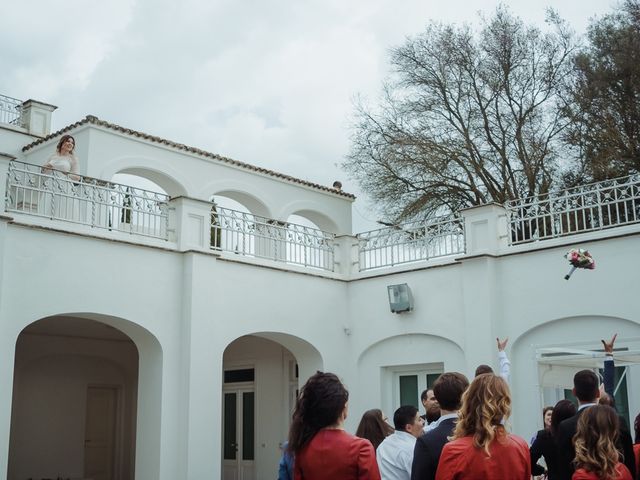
[426,453]
[567,453]
[545,446]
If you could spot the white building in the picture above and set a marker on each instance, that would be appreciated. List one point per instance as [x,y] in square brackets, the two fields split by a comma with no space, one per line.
[148,336]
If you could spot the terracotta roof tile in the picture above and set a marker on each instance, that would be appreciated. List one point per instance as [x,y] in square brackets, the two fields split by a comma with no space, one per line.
[91,119]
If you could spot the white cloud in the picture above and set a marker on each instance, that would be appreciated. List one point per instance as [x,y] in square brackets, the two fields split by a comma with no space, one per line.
[266,82]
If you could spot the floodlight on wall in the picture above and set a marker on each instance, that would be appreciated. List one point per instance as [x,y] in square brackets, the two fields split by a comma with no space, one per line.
[400,298]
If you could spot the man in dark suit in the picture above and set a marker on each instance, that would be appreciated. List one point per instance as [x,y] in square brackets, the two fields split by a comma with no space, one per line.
[587,391]
[448,390]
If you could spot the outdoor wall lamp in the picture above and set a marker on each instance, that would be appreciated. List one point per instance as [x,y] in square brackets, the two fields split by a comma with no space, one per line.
[400,298]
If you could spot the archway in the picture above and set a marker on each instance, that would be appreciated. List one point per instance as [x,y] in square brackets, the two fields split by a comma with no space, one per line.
[240,223]
[314,219]
[76,392]
[395,370]
[545,358]
[307,243]
[137,201]
[241,201]
[150,180]
[262,375]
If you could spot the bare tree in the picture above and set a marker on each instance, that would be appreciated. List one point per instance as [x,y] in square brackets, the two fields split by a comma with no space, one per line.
[606,97]
[467,118]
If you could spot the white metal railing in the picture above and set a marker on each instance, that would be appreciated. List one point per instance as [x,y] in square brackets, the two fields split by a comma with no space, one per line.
[88,201]
[11,111]
[595,206]
[251,235]
[411,242]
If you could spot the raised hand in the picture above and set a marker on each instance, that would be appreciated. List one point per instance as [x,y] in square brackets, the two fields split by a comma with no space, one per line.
[608,346]
[503,344]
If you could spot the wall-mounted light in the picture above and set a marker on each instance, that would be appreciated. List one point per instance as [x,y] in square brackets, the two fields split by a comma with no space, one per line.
[400,298]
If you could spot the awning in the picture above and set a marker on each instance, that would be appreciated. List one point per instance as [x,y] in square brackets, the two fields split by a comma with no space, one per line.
[578,358]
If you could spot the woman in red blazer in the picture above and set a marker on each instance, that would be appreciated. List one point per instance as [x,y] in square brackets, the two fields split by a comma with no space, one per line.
[321,448]
[481,448]
[597,457]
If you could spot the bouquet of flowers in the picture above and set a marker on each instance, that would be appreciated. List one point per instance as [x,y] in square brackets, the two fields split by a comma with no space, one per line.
[579,258]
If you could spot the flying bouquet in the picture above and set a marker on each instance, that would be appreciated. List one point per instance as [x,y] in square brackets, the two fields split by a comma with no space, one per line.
[579,258]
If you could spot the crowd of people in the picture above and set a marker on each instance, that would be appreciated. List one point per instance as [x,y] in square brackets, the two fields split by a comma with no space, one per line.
[463,434]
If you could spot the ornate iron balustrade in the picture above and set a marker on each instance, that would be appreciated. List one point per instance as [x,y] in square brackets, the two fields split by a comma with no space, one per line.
[411,242]
[255,236]
[87,201]
[11,111]
[590,207]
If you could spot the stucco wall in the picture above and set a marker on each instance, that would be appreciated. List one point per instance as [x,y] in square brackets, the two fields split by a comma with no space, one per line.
[183,305]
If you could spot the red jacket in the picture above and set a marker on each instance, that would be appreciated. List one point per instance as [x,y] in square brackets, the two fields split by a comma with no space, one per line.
[621,470]
[509,460]
[336,455]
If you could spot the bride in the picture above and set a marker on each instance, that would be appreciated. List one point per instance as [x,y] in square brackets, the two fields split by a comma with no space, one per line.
[60,172]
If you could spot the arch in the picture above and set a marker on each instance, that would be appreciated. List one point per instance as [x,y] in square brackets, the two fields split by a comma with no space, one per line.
[381,363]
[580,327]
[529,376]
[407,337]
[166,176]
[308,357]
[241,195]
[274,358]
[74,351]
[316,212]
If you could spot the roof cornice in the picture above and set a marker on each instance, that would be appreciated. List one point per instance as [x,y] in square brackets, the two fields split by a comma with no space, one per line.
[93,120]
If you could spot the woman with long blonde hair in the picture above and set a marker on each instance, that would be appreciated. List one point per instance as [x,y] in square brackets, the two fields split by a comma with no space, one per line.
[597,457]
[481,448]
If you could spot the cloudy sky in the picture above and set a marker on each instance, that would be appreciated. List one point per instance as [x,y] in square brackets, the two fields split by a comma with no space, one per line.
[268,82]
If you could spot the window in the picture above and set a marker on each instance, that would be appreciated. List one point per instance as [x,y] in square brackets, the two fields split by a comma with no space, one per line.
[409,381]
[237,376]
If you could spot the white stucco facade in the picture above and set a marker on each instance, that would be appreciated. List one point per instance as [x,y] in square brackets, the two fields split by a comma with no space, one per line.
[182,314]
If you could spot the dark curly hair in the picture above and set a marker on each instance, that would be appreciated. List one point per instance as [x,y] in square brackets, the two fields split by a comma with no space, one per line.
[319,405]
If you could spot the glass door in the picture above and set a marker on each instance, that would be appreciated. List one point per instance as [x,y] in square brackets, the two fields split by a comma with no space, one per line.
[238,434]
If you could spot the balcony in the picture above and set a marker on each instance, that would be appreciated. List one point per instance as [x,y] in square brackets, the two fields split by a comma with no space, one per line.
[96,203]
[12,111]
[123,212]
[587,208]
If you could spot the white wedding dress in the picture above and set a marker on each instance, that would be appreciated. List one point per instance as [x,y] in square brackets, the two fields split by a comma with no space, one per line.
[60,194]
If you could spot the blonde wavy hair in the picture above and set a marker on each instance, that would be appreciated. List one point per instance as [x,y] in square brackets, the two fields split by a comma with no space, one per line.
[595,441]
[486,404]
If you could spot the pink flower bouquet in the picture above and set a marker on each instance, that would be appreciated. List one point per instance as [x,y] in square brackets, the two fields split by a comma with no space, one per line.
[579,258]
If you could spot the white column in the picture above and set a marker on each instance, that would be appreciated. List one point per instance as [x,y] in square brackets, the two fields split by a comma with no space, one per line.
[485,237]
[4,172]
[36,117]
[485,229]
[190,223]
[8,337]
[346,254]
[151,412]
[201,375]
[7,353]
